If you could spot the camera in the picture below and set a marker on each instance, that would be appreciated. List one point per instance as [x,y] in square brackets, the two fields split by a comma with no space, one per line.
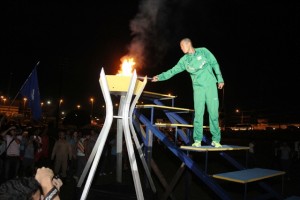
[56,176]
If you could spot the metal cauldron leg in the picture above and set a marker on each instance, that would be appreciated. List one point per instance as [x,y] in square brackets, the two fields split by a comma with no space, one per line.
[98,148]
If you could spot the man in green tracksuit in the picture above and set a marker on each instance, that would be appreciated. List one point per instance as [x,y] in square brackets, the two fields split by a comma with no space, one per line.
[207,79]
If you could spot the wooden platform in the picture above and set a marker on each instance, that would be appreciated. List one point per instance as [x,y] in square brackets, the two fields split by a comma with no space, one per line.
[170,108]
[211,148]
[157,95]
[167,125]
[293,198]
[248,175]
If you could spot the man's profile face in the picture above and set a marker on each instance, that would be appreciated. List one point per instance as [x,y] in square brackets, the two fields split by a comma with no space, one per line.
[185,46]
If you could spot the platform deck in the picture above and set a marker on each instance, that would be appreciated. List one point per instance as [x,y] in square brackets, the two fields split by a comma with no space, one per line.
[174,125]
[211,148]
[248,175]
[293,198]
[170,108]
[158,95]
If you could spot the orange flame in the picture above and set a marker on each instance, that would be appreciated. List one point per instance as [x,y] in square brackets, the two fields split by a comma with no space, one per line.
[126,66]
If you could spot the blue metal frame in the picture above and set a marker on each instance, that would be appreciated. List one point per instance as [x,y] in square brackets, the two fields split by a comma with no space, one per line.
[175,118]
[192,165]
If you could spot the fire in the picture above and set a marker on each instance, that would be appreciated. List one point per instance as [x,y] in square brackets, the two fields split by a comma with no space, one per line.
[126,66]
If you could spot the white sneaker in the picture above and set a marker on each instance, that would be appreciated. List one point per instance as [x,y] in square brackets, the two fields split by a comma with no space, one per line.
[197,144]
[216,144]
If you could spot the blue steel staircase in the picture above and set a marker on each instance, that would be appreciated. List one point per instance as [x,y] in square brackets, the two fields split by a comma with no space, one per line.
[146,128]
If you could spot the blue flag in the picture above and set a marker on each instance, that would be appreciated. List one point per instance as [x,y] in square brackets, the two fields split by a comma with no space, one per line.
[31,91]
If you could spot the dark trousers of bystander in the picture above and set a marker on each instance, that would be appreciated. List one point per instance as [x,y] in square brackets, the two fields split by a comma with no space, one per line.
[11,167]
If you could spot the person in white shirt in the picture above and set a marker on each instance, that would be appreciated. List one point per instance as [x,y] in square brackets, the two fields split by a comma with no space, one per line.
[12,160]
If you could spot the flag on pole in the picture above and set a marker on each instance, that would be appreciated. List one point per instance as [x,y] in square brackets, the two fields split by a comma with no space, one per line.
[31,91]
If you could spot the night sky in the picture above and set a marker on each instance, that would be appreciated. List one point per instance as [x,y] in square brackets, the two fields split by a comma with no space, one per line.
[256,43]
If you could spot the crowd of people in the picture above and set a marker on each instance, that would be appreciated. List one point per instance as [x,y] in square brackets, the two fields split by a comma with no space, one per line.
[26,150]
[29,152]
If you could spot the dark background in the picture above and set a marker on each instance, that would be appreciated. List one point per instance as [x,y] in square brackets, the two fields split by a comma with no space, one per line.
[255,42]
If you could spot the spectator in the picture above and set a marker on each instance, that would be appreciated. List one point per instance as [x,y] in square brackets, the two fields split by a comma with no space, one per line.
[44,157]
[91,140]
[276,155]
[37,141]
[61,153]
[285,160]
[28,158]
[297,150]
[39,187]
[73,144]
[81,157]
[252,156]
[24,141]
[12,160]
[2,156]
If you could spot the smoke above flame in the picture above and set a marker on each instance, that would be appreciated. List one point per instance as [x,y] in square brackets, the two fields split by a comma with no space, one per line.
[142,28]
[151,31]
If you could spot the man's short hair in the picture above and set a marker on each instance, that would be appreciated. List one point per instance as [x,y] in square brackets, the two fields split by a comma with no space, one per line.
[188,40]
[19,189]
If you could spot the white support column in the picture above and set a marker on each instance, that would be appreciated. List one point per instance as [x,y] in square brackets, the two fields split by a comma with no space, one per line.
[129,145]
[119,139]
[98,148]
[135,139]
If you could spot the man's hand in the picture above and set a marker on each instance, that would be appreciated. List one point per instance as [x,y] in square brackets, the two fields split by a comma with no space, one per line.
[44,177]
[57,183]
[220,85]
[154,79]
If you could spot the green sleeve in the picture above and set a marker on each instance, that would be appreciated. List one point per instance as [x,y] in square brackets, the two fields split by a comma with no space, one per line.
[215,65]
[179,67]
